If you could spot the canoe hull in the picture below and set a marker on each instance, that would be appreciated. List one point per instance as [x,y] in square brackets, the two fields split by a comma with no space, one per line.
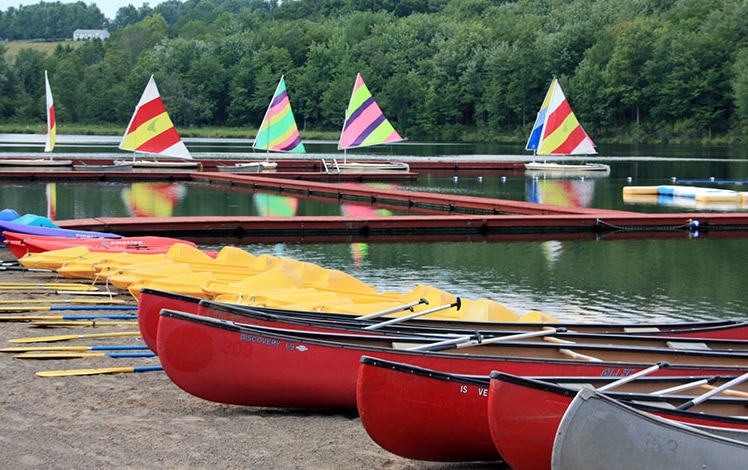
[424,418]
[150,305]
[523,417]
[597,429]
[236,364]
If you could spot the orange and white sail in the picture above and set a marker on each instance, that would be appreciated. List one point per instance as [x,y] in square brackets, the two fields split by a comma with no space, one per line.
[557,130]
[49,143]
[151,130]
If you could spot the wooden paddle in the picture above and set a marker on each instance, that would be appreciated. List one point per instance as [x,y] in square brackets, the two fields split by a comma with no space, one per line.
[106,370]
[52,308]
[702,398]
[73,348]
[393,310]
[457,303]
[48,339]
[64,317]
[62,301]
[469,340]
[78,355]
[92,323]
[634,376]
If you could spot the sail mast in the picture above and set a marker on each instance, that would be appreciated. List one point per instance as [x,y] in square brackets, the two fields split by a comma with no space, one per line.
[51,137]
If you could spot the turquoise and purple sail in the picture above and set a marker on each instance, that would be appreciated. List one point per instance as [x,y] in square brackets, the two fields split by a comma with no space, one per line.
[365,124]
[278,131]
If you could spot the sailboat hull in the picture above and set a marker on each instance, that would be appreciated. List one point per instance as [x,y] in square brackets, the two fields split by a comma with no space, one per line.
[161,164]
[567,168]
[35,162]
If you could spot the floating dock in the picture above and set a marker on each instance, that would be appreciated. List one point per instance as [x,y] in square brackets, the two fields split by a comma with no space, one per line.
[431,216]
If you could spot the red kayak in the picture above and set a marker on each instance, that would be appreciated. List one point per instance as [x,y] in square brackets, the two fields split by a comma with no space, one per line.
[524,414]
[152,301]
[20,243]
[425,414]
[232,363]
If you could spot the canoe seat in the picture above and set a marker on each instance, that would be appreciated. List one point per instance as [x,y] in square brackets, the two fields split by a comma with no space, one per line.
[687,345]
[579,356]
[640,329]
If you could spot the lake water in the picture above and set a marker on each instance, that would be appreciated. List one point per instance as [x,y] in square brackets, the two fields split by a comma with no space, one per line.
[692,277]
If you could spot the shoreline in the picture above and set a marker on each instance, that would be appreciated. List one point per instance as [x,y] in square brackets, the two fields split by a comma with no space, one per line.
[142,420]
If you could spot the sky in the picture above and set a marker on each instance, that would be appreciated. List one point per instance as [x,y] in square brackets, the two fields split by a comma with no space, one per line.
[108,7]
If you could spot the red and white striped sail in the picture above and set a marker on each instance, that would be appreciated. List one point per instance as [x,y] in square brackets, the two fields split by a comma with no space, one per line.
[151,130]
[49,143]
[560,131]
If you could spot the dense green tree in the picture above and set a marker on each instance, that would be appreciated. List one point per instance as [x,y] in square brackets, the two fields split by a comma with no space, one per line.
[444,69]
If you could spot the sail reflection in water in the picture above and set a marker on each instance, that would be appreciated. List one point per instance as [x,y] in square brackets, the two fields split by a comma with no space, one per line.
[274,205]
[360,250]
[153,199]
[561,192]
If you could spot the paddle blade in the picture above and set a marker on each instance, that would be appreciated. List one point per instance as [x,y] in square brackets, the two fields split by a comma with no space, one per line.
[73,348]
[106,370]
[73,355]
[48,339]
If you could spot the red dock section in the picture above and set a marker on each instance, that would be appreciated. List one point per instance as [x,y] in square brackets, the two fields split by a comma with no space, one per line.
[433,217]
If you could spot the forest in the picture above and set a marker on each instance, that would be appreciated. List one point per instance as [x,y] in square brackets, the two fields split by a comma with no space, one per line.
[658,71]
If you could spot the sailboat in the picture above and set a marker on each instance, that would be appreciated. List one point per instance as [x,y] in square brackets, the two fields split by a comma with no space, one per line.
[365,125]
[151,131]
[557,132]
[278,131]
[49,141]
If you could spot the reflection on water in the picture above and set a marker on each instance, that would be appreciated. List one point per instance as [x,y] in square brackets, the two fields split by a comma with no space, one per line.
[152,199]
[577,192]
[605,280]
[275,205]
[635,281]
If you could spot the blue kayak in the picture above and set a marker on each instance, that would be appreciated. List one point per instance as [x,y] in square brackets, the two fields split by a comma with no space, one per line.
[52,232]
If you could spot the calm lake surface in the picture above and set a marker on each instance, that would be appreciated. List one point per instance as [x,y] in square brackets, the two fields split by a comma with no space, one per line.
[694,277]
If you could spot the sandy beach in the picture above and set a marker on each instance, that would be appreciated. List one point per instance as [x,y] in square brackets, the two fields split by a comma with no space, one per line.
[143,421]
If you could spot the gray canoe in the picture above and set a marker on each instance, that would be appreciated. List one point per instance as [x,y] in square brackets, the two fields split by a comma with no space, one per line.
[599,432]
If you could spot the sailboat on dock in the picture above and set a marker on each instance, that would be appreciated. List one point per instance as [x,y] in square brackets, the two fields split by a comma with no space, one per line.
[557,132]
[278,131]
[365,125]
[151,131]
[49,140]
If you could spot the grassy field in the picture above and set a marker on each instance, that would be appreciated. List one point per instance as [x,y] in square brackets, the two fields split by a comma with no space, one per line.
[48,47]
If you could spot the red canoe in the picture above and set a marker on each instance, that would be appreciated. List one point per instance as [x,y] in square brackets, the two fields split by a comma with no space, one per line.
[152,301]
[425,414]
[232,363]
[21,244]
[523,415]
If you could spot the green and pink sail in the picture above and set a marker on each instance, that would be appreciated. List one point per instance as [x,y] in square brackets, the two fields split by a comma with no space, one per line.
[278,131]
[365,124]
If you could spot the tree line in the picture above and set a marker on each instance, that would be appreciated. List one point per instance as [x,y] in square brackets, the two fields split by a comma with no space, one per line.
[635,71]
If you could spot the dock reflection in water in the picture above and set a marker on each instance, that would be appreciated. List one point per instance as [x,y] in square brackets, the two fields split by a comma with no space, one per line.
[686,277]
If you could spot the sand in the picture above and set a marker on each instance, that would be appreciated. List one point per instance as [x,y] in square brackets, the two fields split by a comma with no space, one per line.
[144,421]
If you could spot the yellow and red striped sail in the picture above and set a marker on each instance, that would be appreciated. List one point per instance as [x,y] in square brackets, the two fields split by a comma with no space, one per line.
[49,143]
[150,129]
[557,130]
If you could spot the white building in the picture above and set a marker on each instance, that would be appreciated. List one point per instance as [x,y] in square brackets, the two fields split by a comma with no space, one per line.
[85,34]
